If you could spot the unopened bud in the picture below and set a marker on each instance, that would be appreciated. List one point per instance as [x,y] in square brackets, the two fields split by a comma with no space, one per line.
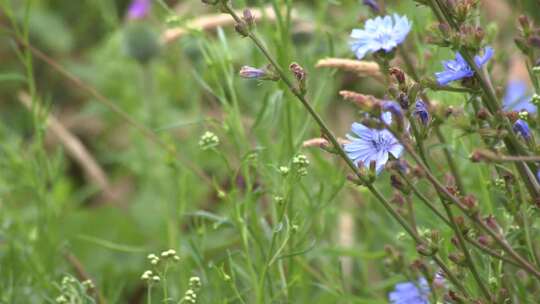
[249,72]
[534,41]
[398,74]
[435,236]
[424,250]
[461,225]
[491,222]
[470,202]
[525,24]
[242,29]
[457,257]
[482,114]
[316,142]
[486,240]
[248,17]
[445,29]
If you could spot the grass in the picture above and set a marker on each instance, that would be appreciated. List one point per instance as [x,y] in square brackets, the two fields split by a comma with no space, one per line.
[251,233]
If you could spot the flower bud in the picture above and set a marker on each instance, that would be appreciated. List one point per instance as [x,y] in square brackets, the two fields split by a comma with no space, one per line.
[522,44]
[425,250]
[445,29]
[470,202]
[483,114]
[435,236]
[457,257]
[242,29]
[403,100]
[373,5]
[461,224]
[398,74]
[486,240]
[492,223]
[397,182]
[248,17]
[525,24]
[316,142]
[534,41]
[300,75]
[248,72]
[141,42]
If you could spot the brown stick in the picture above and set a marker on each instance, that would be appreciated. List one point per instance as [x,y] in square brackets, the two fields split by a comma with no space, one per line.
[212,21]
[93,172]
[148,133]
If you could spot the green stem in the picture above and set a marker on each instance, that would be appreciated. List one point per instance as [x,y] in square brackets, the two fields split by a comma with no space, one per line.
[469,261]
[474,217]
[339,150]
[468,258]
[490,101]
[450,159]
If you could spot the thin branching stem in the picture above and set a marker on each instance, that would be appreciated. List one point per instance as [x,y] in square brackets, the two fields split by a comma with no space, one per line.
[338,148]
[472,216]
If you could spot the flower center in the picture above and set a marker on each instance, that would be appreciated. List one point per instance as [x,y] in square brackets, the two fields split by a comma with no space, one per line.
[380,142]
[383,36]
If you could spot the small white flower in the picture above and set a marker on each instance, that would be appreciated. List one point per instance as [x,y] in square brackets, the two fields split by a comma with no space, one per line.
[208,140]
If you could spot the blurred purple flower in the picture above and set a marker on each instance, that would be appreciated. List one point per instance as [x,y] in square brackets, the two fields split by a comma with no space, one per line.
[459,68]
[138,9]
[516,98]
[521,127]
[380,33]
[421,111]
[251,72]
[394,108]
[373,5]
[369,145]
[410,293]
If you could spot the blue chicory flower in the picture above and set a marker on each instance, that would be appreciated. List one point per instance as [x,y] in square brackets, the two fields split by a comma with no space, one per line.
[380,33]
[373,5]
[138,9]
[421,111]
[516,98]
[410,293]
[459,68]
[521,127]
[369,145]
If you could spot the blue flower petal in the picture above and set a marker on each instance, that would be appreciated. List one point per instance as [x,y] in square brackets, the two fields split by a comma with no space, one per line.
[459,68]
[367,145]
[380,33]
[481,60]
[516,98]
